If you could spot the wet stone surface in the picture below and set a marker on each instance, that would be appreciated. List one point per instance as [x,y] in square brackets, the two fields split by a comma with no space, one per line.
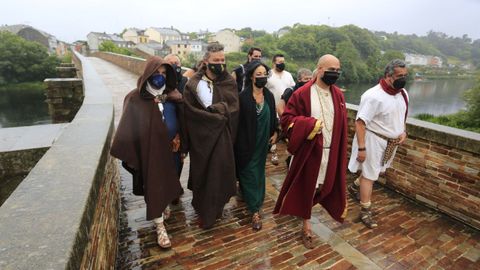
[409,236]
[230,244]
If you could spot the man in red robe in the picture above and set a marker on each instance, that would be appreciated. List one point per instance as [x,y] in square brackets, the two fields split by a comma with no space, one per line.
[315,121]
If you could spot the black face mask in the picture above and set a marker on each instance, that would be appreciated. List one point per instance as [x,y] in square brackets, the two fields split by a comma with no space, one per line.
[178,71]
[330,77]
[217,69]
[399,83]
[300,84]
[280,66]
[260,82]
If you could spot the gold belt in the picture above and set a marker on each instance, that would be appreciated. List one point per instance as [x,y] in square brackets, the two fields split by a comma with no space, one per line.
[391,146]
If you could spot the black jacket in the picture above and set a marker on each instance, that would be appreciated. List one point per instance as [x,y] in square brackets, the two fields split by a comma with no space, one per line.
[247,125]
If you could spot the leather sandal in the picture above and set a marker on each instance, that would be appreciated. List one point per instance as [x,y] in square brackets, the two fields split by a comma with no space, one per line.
[162,237]
[166,213]
[307,238]
[256,221]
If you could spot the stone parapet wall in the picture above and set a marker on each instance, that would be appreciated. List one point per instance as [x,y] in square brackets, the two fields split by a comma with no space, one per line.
[64,98]
[132,64]
[66,72]
[64,214]
[19,162]
[438,166]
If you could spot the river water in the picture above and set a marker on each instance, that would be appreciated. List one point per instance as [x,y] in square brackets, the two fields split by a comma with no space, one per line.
[23,108]
[435,97]
[28,107]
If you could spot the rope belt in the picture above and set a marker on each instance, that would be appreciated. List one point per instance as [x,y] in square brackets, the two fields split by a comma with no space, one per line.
[391,146]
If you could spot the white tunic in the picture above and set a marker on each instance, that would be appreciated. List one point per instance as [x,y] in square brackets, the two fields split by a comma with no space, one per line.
[385,115]
[277,83]
[322,109]
[205,92]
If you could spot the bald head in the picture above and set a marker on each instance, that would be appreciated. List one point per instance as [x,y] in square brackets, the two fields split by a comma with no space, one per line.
[328,70]
[327,60]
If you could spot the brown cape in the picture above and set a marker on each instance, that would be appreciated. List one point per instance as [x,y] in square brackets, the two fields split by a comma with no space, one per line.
[210,135]
[297,196]
[141,142]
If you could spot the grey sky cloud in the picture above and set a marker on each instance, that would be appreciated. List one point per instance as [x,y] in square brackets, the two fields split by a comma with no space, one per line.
[73,20]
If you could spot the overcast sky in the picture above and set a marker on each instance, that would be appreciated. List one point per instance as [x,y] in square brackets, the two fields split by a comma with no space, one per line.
[73,20]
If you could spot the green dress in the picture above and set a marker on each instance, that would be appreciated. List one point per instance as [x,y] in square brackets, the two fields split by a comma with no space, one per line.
[252,177]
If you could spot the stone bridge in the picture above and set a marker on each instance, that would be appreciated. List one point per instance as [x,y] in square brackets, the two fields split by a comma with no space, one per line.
[75,209]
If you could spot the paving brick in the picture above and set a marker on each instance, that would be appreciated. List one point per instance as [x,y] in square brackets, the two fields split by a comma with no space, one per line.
[408,236]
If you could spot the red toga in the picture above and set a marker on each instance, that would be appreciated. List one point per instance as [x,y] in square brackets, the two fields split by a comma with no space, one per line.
[297,196]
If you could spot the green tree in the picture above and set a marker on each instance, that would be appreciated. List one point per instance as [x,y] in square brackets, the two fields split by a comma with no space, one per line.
[384,60]
[364,41]
[298,47]
[248,33]
[109,46]
[234,59]
[24,61]
[472,98]
[354,70]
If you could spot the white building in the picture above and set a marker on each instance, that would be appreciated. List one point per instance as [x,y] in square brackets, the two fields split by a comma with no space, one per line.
[135,35]
[154,48]
[228,39]
[422,60]
[162,35]
[94,39]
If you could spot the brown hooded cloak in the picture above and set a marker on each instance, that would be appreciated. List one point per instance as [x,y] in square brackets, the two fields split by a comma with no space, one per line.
[141,142]
[210,135]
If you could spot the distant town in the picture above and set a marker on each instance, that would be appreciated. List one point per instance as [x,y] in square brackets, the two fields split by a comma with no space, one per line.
[165,40]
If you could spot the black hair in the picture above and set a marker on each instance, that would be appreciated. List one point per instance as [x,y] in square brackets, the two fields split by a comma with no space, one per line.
[276,56]
[250,68]
[252,49]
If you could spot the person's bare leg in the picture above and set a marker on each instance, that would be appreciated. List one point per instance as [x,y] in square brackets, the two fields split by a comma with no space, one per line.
[366,187]
[307,235]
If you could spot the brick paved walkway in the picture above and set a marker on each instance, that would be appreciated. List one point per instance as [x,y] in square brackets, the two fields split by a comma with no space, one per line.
[409,236]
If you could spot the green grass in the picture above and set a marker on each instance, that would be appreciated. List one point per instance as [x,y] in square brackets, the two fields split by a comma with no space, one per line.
[458,120]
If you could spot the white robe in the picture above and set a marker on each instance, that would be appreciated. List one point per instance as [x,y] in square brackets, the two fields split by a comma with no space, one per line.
[322,99]
[385,115]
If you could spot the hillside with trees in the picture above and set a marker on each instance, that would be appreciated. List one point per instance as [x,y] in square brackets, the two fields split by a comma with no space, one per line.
[363,53]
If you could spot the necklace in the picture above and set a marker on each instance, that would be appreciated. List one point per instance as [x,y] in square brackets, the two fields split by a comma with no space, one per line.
[259,102]
[320,99]
[259,107]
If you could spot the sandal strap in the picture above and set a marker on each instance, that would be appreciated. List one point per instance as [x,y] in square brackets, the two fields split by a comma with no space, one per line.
[162,236]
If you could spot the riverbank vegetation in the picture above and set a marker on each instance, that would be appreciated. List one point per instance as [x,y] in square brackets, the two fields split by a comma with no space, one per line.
[36,85]
[109,46]
[24,61]
[468,119]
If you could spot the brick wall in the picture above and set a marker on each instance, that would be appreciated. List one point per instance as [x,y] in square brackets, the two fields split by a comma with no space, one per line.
[437,166]
[101,250]
[132,64]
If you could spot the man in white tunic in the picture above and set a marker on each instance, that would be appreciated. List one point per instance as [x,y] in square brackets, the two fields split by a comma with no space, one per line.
[380,128]
[278,80]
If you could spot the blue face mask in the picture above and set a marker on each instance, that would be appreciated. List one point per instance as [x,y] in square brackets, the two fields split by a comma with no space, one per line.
[157,81]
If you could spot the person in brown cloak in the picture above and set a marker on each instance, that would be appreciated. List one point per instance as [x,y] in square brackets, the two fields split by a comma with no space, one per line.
[211,116]
[146,140]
